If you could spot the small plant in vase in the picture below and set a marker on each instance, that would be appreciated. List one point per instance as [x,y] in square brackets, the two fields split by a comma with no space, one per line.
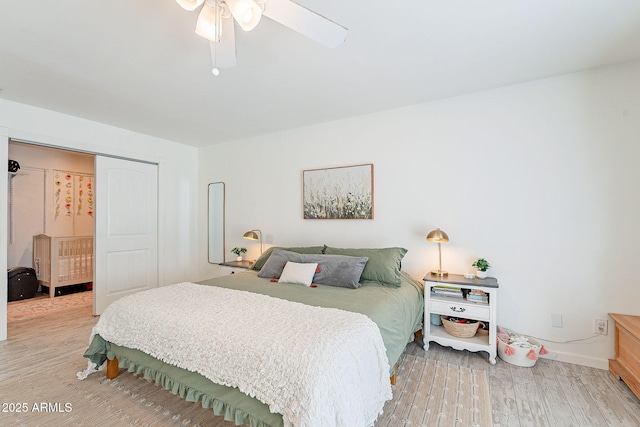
[481,265]
[239,252]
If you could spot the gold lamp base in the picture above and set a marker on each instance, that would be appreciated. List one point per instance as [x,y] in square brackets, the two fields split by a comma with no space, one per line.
[440,273]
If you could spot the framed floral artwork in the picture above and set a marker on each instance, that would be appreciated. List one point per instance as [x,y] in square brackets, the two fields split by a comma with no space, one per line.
[344,192]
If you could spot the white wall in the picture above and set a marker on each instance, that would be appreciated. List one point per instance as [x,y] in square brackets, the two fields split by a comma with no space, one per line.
[539,178]
[177,179]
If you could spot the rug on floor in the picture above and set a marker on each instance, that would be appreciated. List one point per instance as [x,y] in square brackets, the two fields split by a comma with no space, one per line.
[427,393]
[36,307]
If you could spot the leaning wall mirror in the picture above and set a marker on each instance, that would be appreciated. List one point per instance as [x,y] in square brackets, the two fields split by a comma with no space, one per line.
[216,222]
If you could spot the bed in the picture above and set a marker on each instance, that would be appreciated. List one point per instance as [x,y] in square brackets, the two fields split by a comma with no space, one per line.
[396,310]
[62,261]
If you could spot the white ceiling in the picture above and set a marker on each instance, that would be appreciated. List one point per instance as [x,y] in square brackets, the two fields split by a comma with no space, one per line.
[138,65]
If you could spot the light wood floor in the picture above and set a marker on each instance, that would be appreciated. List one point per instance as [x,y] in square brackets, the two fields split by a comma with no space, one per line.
[549,394]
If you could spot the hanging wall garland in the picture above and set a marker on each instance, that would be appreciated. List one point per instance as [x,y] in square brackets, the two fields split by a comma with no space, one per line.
[90,197]
[70,198]
[56,195]
[80,193]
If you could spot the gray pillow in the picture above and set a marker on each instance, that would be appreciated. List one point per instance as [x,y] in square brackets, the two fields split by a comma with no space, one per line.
[338,270]
[383,266]
[301,250]
[333,270]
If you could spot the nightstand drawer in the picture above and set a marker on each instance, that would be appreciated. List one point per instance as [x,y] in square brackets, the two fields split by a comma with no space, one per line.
[460,309]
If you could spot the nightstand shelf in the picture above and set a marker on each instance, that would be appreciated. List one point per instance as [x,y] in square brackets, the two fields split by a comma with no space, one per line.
[463,308]
[444,338]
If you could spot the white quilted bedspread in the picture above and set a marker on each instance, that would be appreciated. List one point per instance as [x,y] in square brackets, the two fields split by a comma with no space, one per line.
[316,366]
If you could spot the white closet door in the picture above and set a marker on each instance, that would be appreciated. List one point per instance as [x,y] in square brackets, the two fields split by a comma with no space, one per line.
[126,238]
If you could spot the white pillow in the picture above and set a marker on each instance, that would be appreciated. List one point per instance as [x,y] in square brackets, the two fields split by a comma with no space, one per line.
[301,274]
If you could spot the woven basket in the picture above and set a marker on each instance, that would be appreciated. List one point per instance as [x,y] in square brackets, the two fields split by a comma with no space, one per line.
[459,330]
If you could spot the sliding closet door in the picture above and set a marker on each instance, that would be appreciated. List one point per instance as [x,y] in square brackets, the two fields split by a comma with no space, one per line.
[126,237]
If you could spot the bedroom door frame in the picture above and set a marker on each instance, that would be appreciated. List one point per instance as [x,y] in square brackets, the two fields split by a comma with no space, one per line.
[4,149]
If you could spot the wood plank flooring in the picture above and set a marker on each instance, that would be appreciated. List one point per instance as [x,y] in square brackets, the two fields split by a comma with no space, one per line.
[550,394]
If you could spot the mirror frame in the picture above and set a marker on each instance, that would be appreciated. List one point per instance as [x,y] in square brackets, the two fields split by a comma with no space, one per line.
[216,205]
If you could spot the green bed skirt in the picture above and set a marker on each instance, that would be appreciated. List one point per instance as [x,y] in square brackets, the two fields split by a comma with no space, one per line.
[228,402]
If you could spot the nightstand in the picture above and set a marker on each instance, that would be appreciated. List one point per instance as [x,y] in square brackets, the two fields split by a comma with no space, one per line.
[236,266]
[461,308]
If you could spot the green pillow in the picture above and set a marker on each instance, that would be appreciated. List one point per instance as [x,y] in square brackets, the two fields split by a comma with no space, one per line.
[383,265]
[301,250]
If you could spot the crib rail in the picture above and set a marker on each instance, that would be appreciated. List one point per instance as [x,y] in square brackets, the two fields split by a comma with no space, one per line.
[62,261]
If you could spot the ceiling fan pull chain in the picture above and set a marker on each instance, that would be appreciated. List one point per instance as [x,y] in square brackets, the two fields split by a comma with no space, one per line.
[226,12]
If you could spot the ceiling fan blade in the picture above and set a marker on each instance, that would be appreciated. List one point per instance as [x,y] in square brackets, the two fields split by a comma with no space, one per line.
[306,22]
[223,54]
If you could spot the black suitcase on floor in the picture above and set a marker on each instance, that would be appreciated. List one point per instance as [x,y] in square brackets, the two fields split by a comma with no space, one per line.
[22,283]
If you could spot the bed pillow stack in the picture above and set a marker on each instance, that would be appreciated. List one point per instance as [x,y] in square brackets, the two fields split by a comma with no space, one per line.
[301,250]
[333,270]
[384,264]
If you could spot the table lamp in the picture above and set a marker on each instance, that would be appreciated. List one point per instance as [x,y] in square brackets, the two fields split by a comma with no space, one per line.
[251,235]
[439,236]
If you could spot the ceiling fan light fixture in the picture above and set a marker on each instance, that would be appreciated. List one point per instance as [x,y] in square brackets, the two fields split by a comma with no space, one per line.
[189,5]
[247,13]
[209,24]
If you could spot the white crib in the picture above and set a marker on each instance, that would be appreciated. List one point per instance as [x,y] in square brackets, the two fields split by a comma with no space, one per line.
[62,261]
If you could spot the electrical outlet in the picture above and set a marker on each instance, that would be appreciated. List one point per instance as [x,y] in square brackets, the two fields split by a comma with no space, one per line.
[600,326]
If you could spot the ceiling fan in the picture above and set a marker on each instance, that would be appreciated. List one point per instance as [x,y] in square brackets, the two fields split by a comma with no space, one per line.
[216,24]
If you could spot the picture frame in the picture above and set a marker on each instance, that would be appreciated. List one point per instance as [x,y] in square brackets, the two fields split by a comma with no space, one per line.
[343,192]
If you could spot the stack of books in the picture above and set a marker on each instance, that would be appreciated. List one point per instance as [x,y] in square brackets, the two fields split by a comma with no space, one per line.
[476,295]
[446,291]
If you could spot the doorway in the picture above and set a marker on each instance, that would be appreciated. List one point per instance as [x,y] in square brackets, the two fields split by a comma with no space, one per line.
[121,181]
[50,230]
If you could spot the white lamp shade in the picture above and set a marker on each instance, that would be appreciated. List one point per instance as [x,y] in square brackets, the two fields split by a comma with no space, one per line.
[206,26]
[189,4]
[247,13]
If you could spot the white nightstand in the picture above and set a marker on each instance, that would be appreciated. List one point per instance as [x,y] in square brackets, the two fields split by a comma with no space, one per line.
[462,308]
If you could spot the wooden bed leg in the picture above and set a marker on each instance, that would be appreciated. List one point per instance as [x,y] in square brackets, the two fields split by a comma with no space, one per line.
[112,368]
[393,377]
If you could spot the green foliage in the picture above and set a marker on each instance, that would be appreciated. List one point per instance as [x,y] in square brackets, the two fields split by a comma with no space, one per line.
[239,251]
[481,264]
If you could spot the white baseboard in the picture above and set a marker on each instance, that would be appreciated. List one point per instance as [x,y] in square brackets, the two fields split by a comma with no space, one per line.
[577,359]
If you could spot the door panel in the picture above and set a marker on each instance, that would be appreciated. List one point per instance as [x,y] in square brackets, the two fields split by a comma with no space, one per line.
[123,274]
[126,229]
